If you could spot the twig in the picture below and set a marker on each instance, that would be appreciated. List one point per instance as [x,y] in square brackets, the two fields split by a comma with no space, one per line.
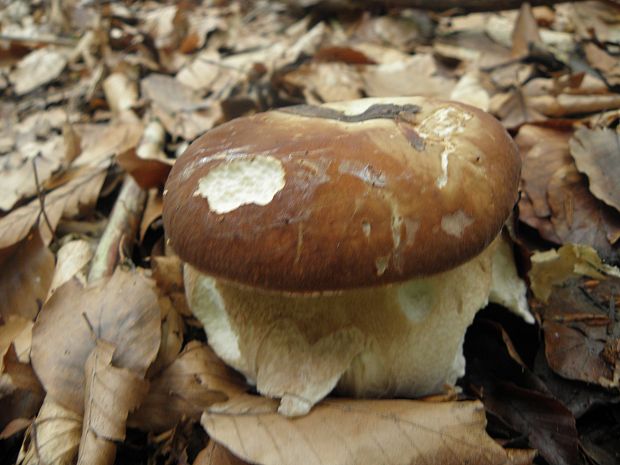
[453,6]
[41,195]
[121,230]
[51,40]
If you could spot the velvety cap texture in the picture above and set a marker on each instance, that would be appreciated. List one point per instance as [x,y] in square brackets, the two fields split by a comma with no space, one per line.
[340,196]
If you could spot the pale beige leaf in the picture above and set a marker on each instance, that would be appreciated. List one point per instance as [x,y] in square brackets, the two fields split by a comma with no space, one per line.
[597,155]
[101,142]
[122,310]
[110,394]
[172,329]
[71,260]
[356,432]
[67,200]
[25,277]
[326,82]
[53,438]
[37,68]
[193,382]
[121,92]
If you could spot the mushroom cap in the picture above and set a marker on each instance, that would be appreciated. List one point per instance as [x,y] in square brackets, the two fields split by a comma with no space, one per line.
[344,195]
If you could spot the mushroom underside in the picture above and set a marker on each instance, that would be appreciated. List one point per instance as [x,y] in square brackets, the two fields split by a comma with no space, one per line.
[400,340]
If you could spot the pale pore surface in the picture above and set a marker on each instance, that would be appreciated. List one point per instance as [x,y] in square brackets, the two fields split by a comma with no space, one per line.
[240,182]
[400,340]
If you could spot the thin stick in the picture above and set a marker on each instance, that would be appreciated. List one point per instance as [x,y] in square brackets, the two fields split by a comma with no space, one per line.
[41,195]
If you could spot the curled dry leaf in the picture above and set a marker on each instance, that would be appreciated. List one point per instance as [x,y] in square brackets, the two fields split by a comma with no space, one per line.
[597,155]
[37,68]
[110,394]
[53,438]
[122,310]
[71,260]
[25,277]
[193,382]
[357,432]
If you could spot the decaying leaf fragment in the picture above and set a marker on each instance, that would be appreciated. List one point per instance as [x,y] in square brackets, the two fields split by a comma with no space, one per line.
[357,432]
[122,310]
[110,394]
[597,154]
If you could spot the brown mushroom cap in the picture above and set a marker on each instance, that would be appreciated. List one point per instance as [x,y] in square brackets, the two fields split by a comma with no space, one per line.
[339,196]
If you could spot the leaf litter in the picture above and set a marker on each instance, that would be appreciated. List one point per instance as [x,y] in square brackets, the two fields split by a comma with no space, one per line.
[91,92]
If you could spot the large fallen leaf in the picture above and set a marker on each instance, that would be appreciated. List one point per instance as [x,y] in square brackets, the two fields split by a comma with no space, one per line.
[53,438]
[216,454]
[16,331]
[110,394]
[597,155]
[122,310]
[25,277]
[357,432]
[38,68]
[69,199]
[193,382]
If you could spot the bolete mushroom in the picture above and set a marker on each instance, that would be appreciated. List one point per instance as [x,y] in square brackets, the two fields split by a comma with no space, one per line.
[347,245]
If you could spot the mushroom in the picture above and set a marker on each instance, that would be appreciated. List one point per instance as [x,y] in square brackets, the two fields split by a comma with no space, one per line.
[347,245]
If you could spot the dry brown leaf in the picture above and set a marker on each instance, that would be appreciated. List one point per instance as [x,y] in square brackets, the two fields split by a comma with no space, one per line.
[179,108]
[38,68]
[122,310]
[110,394]
[216,454]
[578,217]
[513,110]
[355,432]
[168,273]
[21,393]
[172,329]
[101,142]
[193,382]
[68,200]
[391,79]
[544,151]
[53,438]
[324,82]
[25,277]
[152,211]
[17,331]
[525,32]
[17,169]
[597,155]
[71,260]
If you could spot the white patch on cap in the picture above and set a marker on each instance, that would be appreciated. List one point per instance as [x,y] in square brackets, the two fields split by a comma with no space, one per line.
[455,223]
[440,126]
[242,182]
